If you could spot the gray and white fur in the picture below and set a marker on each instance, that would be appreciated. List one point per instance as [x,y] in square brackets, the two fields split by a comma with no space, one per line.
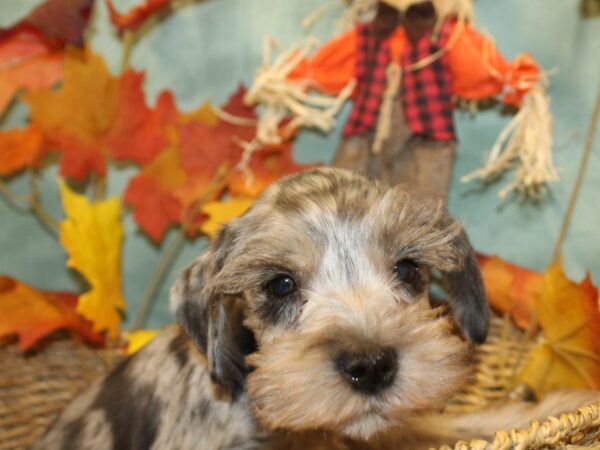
[306,324]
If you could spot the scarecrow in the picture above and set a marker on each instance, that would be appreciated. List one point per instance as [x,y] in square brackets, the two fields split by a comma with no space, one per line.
[405,69]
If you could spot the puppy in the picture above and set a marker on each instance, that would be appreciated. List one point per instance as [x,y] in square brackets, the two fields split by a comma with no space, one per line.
[307,320]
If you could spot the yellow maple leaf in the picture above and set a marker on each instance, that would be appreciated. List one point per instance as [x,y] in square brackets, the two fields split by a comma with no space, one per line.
[138,339]
[221,213]
[92,235]
[568,355]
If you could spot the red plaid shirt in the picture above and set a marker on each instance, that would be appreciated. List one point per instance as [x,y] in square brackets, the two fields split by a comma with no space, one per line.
[426,93]
[372,58]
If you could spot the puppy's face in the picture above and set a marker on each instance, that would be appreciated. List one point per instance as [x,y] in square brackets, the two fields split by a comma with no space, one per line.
[315,301]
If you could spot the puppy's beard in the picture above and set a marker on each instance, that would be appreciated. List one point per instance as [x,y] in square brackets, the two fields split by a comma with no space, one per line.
[296,386]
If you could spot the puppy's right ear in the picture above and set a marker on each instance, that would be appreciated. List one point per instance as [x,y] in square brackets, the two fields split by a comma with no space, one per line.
[214,321]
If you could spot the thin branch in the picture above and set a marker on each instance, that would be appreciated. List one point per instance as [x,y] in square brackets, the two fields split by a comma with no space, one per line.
[98,186]
[34,204]
[578,181]
[37,208]
[169,255]
[128,40]
[12,197]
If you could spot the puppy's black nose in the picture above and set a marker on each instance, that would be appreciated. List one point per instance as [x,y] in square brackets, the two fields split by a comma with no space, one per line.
[369,372]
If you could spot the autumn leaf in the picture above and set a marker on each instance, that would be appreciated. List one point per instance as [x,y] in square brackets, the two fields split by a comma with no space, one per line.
[135,17]
[138,133]
[222,212]
[205,115]
[30,50]
[92,236]
[32,315]
[95,115]
[166,189]
[57,22]
[201,144]
[569,354]
[75,117]
[266,165]
[236,108]
[26,63]
[138,339]
[19,149]
[150,193]
[511,289]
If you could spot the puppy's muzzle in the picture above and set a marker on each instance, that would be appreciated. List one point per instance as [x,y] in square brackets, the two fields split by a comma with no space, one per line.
[369,373]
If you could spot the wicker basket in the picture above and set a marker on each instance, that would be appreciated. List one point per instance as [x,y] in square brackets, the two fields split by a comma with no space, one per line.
[33,389]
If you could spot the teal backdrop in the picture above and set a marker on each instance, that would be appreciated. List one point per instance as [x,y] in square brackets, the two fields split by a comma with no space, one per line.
[206,48]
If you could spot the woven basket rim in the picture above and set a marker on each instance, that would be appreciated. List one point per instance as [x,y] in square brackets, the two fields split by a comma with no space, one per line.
[539,434]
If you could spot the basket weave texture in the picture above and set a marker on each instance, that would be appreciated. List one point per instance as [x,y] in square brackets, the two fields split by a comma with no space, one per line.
[35,388]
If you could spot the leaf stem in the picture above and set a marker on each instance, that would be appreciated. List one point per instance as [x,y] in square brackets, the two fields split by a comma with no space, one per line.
[172,251]
[37,207]
[168,256]
[128,40]
[34,204]
[98,186]
[587,149]
[12,197]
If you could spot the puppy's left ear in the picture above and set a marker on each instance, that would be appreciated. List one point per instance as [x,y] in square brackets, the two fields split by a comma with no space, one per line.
[467,292]
[214,321]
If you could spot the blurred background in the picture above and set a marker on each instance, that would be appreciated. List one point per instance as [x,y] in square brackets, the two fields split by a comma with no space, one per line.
[204,49]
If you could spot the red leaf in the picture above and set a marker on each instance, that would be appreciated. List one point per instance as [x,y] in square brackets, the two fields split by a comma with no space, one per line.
[510,288]
[135,17]
[180,174]
[235,105]
[155,209]
[27,63]
[138,132]
[32,315]
[204,149]
[57,22]
[201,144]
[266,166]
[150,193]
[19,149]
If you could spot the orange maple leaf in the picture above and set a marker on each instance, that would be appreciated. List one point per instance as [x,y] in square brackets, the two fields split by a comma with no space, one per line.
[135,17]
[26,63]
[138,132]
[265,166]
[155,207]
[32,315]
[19,149]
[568,355]
[199,145]
[95,115]
[510,288]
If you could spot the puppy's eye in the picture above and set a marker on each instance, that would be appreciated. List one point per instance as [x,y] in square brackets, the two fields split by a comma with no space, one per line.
[408,271]
[281,286]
